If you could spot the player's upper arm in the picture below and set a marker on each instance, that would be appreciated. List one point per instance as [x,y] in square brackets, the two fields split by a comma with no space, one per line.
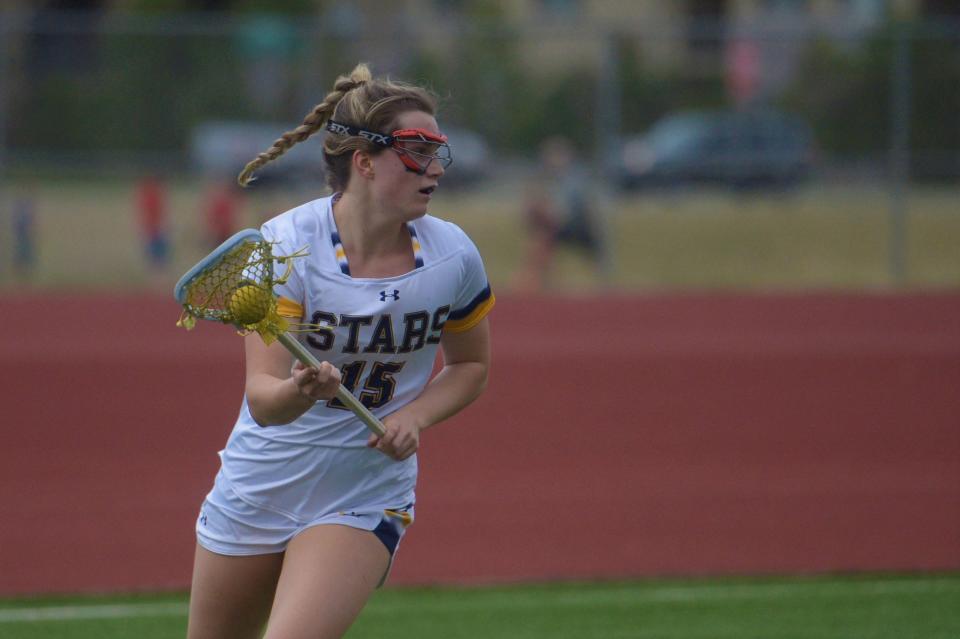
[273,360]
[471,345]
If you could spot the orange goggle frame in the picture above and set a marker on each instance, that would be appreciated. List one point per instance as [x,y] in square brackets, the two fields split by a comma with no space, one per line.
[415,161]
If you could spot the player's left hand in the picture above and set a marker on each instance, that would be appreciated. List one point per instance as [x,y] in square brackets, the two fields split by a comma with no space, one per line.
[401,440]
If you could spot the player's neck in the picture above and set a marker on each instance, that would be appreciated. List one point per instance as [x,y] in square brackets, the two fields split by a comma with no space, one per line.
[369,236]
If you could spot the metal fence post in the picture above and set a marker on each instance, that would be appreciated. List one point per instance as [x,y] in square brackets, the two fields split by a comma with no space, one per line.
[899,155]
[6,31]
[607,123]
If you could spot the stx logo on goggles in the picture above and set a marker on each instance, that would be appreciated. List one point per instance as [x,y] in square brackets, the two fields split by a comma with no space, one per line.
[376,138]
[336,127]
[346,129]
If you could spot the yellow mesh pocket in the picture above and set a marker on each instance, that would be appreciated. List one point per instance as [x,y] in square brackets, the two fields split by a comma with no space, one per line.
[234,285]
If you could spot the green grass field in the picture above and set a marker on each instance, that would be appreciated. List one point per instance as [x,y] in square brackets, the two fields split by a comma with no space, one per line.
[813,238]
[853,607]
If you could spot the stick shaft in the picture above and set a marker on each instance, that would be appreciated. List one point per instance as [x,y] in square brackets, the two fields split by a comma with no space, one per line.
[343,394]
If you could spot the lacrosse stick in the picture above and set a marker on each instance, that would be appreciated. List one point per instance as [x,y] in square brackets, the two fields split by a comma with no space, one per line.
[234,285]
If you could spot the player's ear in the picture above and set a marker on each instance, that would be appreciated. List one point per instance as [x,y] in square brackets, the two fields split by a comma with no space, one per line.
[363,164]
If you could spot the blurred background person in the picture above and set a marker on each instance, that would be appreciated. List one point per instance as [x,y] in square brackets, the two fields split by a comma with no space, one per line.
[151,201]
[560,211]
[220,212]
[24,233]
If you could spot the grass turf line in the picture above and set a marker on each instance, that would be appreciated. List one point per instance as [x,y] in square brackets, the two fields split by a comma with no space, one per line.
[867,607]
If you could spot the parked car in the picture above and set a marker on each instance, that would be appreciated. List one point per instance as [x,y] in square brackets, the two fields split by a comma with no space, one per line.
[471,157]
[223,148]
[735,148]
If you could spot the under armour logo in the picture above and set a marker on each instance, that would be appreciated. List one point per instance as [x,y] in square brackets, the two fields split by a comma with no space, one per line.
[385,294]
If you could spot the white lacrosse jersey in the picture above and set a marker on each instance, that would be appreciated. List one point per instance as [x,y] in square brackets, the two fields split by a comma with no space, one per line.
[383,334]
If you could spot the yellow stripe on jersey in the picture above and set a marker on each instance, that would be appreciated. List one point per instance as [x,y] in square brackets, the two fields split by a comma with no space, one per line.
[286,307]
[471,320]
[403,516]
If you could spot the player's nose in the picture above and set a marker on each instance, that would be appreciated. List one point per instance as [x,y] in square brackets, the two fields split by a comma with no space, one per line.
[435,169]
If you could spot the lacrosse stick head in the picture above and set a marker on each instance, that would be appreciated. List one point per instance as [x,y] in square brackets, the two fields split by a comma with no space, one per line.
[234,285]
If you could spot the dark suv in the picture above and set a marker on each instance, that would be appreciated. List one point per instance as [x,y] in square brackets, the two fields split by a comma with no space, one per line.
[753,148]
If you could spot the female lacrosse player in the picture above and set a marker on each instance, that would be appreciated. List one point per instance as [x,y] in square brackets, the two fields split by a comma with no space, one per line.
[308,508]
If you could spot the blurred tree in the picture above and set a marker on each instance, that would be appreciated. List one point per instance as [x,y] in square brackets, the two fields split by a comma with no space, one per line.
[71,5]
[557,105]
[483,10]
[846,93]
[268,45]
[291,7]
[480,67]
[936,93]
[52,47]
[148,95]
[647,94]
[235,6]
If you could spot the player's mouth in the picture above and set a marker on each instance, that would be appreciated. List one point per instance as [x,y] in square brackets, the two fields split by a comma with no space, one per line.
[428,190]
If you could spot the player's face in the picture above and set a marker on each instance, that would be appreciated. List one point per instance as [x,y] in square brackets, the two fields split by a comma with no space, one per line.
[396,181]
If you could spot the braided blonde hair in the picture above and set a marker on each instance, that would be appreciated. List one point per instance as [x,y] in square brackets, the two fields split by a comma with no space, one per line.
[358,100]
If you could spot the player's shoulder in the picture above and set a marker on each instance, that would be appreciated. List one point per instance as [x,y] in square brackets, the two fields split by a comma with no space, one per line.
[443,237]
[301,223]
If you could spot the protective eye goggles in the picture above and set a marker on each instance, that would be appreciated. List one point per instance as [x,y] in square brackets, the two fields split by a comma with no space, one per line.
[417,148]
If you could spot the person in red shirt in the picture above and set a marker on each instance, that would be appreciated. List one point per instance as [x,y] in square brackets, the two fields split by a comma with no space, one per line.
[152,206]
[220,213]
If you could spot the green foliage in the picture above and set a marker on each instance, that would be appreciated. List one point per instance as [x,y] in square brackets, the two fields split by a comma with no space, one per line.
[845,95]
[156,6]
[648,95]
[846,92]
[562,105]
[146,91]
[490,10]
[935,124]
[143,93]
[489,87]
[293,7]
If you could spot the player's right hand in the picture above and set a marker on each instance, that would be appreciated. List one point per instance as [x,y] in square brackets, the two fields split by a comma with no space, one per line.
[317,383]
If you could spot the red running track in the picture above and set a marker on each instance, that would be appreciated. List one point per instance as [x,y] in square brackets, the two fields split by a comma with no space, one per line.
[619,437]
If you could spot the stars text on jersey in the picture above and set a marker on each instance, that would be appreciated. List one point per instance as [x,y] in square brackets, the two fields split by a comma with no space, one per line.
[417,329]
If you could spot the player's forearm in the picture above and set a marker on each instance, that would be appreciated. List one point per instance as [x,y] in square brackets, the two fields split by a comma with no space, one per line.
[454,387]
[274,401]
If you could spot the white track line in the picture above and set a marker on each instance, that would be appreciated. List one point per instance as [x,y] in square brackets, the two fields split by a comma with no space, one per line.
[112,611]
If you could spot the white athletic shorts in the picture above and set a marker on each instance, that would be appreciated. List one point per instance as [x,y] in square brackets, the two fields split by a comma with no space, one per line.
[228,525]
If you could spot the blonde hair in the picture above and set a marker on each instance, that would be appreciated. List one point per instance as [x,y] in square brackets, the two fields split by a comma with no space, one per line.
[356,100]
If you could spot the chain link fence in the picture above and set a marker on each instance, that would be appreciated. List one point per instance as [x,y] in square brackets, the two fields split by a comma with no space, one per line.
[709,105]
